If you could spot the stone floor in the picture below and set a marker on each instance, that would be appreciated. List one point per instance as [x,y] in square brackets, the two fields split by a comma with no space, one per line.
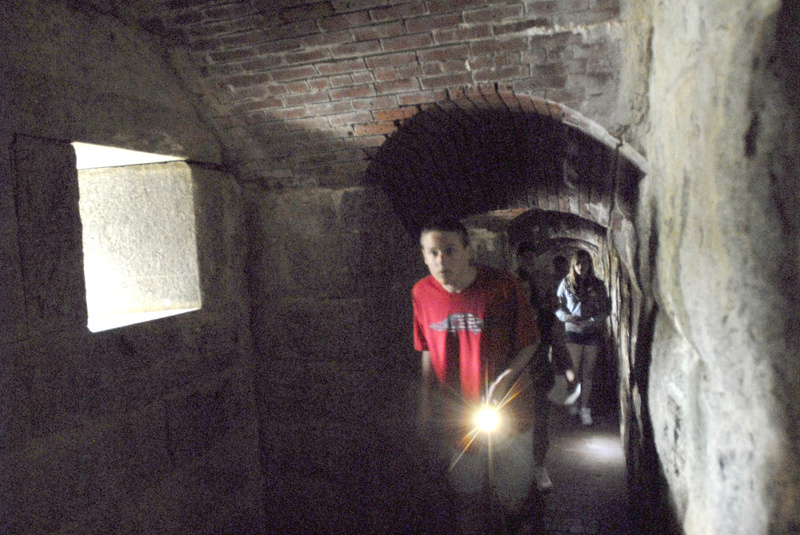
[587,467]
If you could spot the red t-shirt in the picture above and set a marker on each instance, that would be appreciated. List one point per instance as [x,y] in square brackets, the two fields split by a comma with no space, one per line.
[472,335]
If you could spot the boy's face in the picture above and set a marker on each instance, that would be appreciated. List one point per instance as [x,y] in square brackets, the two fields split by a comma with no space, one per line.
[447,258]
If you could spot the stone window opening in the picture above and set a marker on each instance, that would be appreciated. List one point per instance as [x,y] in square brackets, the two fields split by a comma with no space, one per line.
[139,245]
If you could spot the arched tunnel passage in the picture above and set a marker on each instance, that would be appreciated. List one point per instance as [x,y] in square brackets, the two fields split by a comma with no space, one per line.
[497,152]
[516,169]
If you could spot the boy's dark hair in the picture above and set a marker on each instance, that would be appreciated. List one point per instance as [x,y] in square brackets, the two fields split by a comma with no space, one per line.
[446,224]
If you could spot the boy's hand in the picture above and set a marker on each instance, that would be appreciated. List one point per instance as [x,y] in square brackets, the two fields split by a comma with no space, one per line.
[499,388]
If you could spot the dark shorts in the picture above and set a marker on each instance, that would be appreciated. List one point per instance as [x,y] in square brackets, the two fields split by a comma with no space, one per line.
[584,339]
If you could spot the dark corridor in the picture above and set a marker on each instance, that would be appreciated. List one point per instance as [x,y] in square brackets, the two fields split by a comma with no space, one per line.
[587,467]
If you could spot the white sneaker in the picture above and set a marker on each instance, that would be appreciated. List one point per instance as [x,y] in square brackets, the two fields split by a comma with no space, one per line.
[574,410]
[586,416]
[543,482]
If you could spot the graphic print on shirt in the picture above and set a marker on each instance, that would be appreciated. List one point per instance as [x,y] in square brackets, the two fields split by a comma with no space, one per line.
[461,321]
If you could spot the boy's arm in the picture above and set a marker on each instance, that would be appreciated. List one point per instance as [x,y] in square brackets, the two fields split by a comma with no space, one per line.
[521,361]
[500,387]
[524,323]
[424,407]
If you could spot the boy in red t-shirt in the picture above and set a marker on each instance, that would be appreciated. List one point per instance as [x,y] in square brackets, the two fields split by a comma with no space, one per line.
[475,329]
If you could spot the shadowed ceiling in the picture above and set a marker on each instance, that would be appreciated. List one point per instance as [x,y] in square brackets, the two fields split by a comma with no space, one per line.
[497,154]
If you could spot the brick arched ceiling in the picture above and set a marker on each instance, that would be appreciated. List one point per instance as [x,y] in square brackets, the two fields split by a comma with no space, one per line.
[302,91]
[489,151]
[550,232]
[555,233]
[555,229]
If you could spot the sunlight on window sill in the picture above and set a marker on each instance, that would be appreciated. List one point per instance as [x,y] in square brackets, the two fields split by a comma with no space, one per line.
[113,321]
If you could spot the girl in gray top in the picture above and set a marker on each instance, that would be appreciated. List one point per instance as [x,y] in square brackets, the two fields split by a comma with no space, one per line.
[583,307]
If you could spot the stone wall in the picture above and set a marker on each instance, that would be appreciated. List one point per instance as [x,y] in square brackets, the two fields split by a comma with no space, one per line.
[337,372]
[718,264]
[145,429]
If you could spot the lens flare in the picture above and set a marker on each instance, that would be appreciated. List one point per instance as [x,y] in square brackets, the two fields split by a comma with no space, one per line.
[487,419]
[490,423]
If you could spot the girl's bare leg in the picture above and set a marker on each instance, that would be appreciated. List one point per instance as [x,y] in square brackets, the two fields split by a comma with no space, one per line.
[575,351]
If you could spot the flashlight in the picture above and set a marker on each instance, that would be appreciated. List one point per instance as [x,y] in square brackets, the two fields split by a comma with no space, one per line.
[487,419]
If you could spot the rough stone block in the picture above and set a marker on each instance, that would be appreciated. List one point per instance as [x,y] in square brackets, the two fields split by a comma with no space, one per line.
[49,229]
[198,422]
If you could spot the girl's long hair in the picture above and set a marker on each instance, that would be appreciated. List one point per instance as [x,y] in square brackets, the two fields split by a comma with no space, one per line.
[585,259]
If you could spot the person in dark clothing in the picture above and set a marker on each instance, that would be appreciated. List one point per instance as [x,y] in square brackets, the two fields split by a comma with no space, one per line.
[542,365]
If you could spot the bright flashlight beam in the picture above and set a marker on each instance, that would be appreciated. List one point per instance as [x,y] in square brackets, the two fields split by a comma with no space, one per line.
[487,419]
